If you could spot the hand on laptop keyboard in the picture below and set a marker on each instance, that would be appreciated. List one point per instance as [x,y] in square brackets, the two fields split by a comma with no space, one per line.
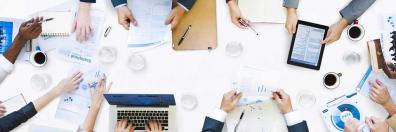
[124,126]
[153,126]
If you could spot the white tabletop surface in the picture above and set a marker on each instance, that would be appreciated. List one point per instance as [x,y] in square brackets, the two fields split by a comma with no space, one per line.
[207,74]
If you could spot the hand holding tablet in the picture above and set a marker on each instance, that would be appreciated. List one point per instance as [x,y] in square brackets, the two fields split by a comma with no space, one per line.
[306,50]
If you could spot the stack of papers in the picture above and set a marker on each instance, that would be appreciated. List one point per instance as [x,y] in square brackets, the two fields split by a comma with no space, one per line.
[150,16]
[270,11]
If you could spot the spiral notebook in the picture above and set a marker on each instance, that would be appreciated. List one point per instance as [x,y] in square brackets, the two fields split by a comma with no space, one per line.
[60,26]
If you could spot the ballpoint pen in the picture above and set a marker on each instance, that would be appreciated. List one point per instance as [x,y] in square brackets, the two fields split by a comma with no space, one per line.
[45,20]
[239,121]
[244,23]
[184,35]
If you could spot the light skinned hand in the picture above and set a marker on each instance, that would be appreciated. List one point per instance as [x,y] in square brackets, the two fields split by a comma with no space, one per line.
[29,32]
[351,125]
[291,21]
[70,83]
[390,70]
[97,92]
[230,100]
[2,109]
[153,126]
[236,14]
[379,93]
[282,100]
[377,125]
[125,17]
[335,31]
[82,22]
[175,16]
[124,126]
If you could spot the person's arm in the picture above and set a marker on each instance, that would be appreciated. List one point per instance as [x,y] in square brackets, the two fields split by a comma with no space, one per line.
[392,122]
[186,4]
[16,118]
[118,3]
[96,99]
[355,9]
[379,94]
[215,122]
[293,119]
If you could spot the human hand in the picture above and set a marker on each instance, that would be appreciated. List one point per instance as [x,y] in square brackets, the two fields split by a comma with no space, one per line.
[377,125]
[282,100]
[2,109]
[175,16]
[236,14]
[97,93]
[125,17]
[390,70]
[351,125]
[335,31]
[291,21]
[30,31]
[229,101]
[379,94]
[82,22]
[124,126]
[69,83]
[153,126]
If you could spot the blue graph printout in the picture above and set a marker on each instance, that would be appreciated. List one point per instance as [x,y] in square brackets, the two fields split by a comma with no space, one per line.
[307,45]
[5,35]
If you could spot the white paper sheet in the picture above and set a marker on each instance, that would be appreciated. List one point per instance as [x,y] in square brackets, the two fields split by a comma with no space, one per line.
[271,11]
[73,106]
[151,28]
[255,84]
[262,117]
[14,103]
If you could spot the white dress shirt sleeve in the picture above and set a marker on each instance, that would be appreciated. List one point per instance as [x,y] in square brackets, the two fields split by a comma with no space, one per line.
[5,67]
[218,115]
[292,118]
[120,6]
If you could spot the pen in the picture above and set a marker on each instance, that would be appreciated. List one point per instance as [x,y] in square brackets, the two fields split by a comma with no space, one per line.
[107,32]
[244,23]
[45,20]
[239,121]
[184,35]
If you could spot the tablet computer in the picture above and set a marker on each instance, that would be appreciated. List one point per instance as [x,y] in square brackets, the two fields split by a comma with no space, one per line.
[305,49]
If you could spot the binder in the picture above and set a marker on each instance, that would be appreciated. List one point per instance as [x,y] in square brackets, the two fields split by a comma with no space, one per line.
[202,34]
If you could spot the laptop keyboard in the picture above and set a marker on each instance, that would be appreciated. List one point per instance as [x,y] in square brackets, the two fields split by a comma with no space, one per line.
[139,118]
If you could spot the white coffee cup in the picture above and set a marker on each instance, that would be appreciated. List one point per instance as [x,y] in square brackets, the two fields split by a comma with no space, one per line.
[331,80]
[38,58]
[355,31]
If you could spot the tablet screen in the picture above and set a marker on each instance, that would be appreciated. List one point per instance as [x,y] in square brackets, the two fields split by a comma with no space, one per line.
[307,47]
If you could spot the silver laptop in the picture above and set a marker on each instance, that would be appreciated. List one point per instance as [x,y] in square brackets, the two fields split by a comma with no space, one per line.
[140,108]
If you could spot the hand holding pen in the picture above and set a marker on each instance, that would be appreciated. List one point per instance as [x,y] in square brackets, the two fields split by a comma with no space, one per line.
[246,23]
[30,29]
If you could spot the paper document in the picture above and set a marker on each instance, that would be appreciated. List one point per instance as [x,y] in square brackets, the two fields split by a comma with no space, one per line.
[14,104]
[307,45]
[73,106]
[255,84]
[44,128]
[261,117]
[83,53]
[364,87]
[150,16]
[388,39]
[271,11]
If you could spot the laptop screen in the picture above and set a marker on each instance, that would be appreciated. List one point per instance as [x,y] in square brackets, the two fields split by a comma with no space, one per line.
[140,99]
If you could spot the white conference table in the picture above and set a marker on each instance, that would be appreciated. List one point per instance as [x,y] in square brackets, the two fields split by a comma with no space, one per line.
[207,74]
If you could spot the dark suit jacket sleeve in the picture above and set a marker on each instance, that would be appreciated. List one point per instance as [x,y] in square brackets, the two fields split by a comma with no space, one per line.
[355,9]
[212,125]
[88,1]
[187,3]
[16,118]
[118,2]
[300,127]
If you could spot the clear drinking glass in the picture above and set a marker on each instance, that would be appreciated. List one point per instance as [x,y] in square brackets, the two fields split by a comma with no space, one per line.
[351,57]
[306,99]
[234,49]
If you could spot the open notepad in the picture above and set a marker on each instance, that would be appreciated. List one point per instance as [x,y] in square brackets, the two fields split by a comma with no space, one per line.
[270,11]
[60,26]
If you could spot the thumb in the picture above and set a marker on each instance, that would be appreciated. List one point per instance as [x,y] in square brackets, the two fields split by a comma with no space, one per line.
[237,98]
[169,19]
[132,19]
[74,26]
[369,123]
[325,41]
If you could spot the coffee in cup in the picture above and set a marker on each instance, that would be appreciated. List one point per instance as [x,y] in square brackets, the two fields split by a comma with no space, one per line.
[355,31]
[38,58]
[331,80]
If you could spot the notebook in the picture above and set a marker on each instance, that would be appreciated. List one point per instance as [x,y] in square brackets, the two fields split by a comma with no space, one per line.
[60,26]
[14,103]
[270,11]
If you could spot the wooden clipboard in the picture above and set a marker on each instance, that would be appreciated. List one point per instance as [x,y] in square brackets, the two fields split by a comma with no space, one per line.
[202,34]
